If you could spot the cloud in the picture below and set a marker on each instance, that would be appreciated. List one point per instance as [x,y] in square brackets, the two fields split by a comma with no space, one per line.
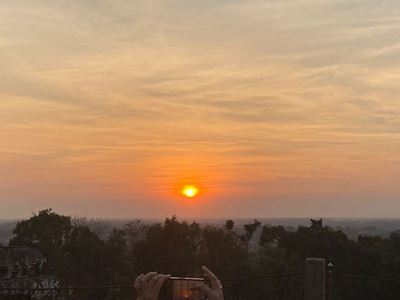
[237,93]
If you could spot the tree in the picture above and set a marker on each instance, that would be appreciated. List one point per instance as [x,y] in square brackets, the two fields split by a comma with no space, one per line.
[46,231]
[271,234]
[250,229]
[229,224]
[223,251]
[120,263]
[85,254]
[316,223]
[171,247]
[74,253]
[319,241]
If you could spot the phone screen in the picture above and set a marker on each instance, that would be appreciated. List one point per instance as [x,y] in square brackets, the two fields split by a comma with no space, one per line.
[178,288]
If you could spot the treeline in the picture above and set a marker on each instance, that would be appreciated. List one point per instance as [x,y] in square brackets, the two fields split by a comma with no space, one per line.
[81,257]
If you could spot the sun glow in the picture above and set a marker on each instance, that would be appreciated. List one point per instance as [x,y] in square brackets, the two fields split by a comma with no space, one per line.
[190,191]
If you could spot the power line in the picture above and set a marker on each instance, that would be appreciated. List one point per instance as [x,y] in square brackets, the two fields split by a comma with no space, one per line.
[113,287]
[117,287]
[263,277]
[238,279]
[357,277]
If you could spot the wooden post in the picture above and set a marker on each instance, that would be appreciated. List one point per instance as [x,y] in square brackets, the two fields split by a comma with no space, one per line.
[315,275]
[329,282]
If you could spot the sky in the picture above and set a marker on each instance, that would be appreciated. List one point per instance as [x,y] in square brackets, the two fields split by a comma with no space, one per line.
[273,108]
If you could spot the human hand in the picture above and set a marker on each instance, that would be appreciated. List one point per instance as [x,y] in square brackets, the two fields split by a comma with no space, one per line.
[215,292]
[148,286]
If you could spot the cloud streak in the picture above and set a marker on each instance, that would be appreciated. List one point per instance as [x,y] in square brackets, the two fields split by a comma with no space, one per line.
[258,100]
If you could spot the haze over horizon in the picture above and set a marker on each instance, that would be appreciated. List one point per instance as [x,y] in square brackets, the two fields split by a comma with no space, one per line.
[273,108]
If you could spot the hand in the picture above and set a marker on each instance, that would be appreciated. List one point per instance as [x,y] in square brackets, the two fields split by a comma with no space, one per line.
[148,286]
[215,292]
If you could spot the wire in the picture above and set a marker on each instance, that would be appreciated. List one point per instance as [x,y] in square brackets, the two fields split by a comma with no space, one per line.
[116,287]
[263,277]
[70,288]
[356,277]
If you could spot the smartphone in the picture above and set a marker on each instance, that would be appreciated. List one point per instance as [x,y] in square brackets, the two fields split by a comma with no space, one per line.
[180,288]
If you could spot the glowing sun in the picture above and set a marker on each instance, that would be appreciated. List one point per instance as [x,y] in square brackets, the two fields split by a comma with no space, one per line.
[190,191]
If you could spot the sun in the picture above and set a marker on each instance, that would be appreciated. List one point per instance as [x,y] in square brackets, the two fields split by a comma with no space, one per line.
[190,191]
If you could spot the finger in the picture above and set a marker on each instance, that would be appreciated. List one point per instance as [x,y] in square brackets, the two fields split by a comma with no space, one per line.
[204,290]
[211,276]
[148,276]
[137,282]
[153,280]
[160,282]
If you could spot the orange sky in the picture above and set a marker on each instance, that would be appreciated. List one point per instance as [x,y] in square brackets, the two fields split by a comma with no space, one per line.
[274,108]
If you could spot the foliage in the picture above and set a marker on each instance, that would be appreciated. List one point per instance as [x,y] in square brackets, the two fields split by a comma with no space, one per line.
[79,256]
[46,231]
[172,247]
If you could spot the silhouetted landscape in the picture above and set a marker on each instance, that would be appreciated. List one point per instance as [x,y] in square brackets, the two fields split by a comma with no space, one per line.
[351,227]
[81,253]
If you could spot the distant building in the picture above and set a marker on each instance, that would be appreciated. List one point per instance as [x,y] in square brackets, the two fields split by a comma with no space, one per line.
[21,268]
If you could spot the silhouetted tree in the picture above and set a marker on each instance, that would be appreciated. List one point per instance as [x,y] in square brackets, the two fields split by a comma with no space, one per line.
[46,231]
[85,254]
[80,255]
[223,251]
[229,224]
[171,247]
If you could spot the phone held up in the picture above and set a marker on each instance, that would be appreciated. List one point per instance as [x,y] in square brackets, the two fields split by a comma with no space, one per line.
[181,288]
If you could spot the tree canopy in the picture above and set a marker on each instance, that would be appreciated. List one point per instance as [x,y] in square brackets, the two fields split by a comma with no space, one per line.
[80,256]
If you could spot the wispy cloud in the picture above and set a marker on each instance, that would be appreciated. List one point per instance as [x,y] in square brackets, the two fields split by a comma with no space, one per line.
[258,99]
